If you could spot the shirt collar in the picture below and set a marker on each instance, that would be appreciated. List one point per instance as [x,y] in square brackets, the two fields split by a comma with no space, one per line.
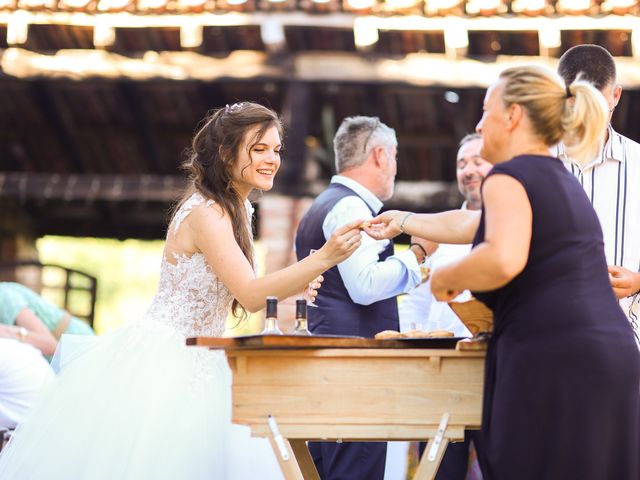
[613,150]
[369,198]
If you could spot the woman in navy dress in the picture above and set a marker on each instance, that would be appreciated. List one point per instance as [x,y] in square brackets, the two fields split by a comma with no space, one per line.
[562,384]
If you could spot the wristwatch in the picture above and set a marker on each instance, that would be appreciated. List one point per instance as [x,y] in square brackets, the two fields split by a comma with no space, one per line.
[23,333]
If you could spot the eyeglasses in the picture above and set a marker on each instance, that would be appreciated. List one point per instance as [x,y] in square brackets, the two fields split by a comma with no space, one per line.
[375,127]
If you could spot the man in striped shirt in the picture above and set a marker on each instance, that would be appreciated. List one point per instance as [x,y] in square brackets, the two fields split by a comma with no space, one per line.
[611,181]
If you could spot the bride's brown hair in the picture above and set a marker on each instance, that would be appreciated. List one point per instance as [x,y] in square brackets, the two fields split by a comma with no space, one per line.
[213,154]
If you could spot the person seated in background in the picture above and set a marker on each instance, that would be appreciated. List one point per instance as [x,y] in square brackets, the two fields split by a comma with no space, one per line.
[27,317]
[23,373]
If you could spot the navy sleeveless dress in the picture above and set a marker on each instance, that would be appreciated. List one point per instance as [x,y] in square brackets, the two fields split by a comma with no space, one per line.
[562,381]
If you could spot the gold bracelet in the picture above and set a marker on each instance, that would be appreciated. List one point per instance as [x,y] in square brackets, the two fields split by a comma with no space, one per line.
[404,220]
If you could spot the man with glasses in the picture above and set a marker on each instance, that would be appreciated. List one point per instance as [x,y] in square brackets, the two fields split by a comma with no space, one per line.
[358,296]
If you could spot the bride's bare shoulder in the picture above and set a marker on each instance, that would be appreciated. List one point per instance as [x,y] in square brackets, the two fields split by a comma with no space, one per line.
[196,214]
[209,222]
[209,214]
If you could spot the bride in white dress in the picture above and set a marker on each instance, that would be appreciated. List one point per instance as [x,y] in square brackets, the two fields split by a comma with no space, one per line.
[139,404]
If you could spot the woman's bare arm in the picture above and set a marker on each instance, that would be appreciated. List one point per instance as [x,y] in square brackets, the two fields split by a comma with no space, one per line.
[213,236]
[454,226]
[505,250]
[39,335]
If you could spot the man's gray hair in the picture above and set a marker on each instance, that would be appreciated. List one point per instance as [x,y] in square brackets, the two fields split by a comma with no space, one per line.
[356,137]
[468,138]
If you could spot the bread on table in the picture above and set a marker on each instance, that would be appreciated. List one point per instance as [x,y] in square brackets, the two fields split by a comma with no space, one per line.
[393,334]
[387,334]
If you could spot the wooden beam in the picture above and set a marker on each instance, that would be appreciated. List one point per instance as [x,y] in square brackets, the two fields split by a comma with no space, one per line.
[417,69]
[335,20]
[88,188]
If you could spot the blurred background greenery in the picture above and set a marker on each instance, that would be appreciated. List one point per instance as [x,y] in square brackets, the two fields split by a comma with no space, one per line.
[127,273]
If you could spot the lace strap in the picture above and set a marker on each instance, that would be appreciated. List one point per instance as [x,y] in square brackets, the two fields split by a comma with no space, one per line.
[248,207]
[185,209]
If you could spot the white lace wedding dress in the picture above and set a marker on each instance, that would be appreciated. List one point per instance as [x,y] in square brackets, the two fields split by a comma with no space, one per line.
[138,404]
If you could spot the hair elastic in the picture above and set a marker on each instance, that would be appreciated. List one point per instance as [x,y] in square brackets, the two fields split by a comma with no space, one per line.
[569,94]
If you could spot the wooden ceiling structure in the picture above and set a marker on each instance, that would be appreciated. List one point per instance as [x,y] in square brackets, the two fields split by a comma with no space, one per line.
[99,98]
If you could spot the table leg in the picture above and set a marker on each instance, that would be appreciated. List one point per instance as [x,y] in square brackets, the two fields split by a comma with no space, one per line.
[290,468]
[427,469]
[305,462]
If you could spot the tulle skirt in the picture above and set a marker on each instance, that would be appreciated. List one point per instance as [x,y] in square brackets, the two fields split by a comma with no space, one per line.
[136,404]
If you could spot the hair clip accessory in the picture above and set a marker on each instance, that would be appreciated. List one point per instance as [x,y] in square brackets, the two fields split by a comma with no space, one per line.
[233,108]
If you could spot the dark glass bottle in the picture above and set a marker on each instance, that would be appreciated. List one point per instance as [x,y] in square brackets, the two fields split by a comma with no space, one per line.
[302,327]
[271,318]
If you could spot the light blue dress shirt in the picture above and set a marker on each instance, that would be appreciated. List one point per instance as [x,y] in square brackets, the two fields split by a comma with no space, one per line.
[420,310]
[365,277]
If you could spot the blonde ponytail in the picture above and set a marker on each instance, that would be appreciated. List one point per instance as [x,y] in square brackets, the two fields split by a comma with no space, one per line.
[576,115]
[584,120]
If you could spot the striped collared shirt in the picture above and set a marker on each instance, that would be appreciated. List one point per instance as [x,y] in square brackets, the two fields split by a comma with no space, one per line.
[612,183]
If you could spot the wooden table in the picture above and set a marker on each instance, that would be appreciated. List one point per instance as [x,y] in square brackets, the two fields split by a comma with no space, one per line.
[348,389]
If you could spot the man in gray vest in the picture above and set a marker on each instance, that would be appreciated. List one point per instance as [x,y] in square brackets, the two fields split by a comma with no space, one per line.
[358,296]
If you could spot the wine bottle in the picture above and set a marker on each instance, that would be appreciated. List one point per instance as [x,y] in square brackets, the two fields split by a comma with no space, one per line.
[271,318]
[302,327]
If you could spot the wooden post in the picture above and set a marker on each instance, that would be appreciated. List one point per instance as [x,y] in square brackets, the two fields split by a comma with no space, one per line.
[17,243]
[304,460]
[290,468]
[427,469]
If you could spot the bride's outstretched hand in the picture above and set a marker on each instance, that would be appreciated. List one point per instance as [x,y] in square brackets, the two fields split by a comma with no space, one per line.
[344,241]
[386,225]
[314,286]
